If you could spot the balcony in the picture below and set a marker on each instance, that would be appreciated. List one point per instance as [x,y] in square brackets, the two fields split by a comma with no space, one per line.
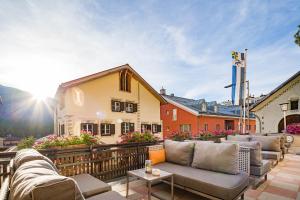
[110,163]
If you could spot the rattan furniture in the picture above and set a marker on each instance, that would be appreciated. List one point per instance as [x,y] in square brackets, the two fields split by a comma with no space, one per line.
[149,178]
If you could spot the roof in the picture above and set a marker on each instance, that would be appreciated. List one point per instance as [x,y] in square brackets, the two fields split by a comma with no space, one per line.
[194,106]
[91,77]
[267,97]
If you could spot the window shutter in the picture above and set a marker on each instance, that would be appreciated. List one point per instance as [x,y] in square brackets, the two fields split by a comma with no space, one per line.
[113,106]
[131,127]
[158,128]
[95,129]
[123,127]
[102,129]
[148,127]
[121,106]
[134,107]
[112,129]
[81,127]
[142,125]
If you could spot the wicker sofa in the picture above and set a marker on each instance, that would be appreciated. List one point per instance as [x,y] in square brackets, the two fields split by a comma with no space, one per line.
[34,176]
[213,173]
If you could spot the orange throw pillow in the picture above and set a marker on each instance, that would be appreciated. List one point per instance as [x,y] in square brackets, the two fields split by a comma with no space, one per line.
[157,156]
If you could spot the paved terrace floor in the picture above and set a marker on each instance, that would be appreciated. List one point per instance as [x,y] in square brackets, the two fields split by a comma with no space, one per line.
[283,184]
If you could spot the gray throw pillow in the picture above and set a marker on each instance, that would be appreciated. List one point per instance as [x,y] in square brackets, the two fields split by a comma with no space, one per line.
[219,157]
[242,138]
[255,151]
[179,152]
[269,143]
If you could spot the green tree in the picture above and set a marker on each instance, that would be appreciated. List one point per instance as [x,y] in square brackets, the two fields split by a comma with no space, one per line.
[297,36]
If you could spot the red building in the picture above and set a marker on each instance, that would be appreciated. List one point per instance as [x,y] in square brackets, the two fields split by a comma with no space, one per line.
[196,116]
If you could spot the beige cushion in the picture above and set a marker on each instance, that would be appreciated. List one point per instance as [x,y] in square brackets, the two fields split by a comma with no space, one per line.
[242,138]
[26,155]
[37,179]
[271,155]
[219,157]
[90,186]
[261,170]
[269,143]
[179,152]
[255,151]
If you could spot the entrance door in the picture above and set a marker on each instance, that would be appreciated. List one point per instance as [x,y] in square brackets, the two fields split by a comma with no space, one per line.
[229,125]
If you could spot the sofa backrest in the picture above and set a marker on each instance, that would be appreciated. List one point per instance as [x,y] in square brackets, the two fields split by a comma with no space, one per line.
[242,138]
[219,157]
[269,143]
[37,179]
[179,152]
[255,151]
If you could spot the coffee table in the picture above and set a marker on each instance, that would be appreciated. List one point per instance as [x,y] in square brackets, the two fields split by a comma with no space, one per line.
[149,178]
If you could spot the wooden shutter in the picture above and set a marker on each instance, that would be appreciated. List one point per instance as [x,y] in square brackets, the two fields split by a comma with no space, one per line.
[113,106]
[131,127]
[158,128]
[81,127]
[134,107]
[122,106]
[102,129]
[112,129]
[123,127]
[95,129]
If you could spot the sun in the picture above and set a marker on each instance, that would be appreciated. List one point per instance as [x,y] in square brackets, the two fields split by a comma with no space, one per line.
[39,95]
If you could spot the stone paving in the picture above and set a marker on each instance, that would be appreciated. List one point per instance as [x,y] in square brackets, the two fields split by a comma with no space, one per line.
[282,184]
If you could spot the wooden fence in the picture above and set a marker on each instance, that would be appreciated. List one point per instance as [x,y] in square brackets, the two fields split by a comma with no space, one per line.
[105,162]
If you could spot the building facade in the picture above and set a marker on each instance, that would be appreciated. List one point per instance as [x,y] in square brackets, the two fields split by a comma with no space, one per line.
[268,111]
[196,116]
[108,104]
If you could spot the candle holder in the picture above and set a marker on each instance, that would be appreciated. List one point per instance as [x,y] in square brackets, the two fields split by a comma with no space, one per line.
[148,166]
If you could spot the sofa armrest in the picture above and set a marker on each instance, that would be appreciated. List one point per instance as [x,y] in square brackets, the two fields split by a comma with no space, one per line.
[244,160]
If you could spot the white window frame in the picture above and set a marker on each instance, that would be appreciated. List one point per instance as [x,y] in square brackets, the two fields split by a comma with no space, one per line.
[86,127]
[129,107]
[117,105]
[174,116]
[185,128]
[154,128]
[106,130]
[205,127]
[126,127]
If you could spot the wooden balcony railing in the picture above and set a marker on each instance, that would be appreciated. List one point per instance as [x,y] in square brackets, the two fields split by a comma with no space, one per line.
[105,162]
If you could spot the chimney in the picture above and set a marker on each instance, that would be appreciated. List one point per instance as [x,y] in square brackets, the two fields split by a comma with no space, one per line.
[163,91]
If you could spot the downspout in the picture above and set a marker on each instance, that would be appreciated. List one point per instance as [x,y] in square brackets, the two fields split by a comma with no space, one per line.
[256,116]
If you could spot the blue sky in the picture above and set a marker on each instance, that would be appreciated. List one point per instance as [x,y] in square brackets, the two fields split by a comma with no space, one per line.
[184,46]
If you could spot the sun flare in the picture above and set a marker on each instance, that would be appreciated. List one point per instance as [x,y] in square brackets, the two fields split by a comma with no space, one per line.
[39,95]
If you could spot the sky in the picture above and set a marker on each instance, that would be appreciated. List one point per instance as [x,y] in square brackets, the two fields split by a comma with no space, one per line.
[184,46]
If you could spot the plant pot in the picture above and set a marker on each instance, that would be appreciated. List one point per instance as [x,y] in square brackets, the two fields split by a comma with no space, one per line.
[75,146]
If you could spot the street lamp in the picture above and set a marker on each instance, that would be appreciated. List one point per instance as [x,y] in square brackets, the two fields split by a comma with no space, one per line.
[284,108]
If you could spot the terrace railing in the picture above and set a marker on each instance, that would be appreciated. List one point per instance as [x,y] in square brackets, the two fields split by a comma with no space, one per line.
[105,162]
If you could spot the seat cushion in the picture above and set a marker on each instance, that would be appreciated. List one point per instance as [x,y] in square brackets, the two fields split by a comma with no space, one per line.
[220,185]
[269,143]
[179,152]
[90,186]
[261,170]
[271,155]
[242,138]
[111,195]
[255,151]
[37,179]
[219,157]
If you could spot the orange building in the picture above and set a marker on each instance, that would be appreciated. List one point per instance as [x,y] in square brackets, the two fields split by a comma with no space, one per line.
[196,116]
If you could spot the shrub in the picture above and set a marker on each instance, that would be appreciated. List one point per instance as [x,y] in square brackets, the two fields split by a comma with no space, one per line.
[180,136]
[138,137]
[26,143]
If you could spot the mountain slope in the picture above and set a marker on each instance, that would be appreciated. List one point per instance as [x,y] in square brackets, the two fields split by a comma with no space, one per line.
[21,115]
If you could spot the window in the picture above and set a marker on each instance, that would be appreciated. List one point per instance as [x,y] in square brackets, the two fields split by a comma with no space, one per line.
[185,128]
[205,127]
[294,105]
[117,106]
[89,128]
[218,127]
[61,129]
[168,128]
[107,129]
[130,107]
[125,81]
[127,127]
[145,128]
[229,125]
[167,112]
[174,114]
[156,128]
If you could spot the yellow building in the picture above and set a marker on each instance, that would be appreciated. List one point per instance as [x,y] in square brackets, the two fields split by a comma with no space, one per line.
[109,103]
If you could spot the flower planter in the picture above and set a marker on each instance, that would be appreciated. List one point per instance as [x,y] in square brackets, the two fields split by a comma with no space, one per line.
[75,146]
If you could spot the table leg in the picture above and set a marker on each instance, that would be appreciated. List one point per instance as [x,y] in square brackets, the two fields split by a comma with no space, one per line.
[127,185]
[149,190]
[172,187]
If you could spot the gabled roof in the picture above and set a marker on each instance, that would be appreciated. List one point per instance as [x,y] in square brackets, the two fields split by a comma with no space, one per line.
[268,97]
[91,77]
[194,106]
